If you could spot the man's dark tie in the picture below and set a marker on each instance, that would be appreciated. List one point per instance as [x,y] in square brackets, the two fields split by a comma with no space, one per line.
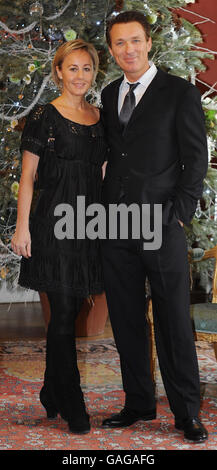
[128,105]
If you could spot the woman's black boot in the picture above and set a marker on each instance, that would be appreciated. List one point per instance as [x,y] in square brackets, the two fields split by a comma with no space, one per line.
[63,374]
[66,385]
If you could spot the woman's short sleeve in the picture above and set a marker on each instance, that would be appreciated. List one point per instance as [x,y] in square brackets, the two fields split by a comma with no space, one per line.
[35,133]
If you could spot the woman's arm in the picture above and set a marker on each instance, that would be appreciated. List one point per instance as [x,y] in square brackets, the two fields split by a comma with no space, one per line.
[21,241]
[104,169]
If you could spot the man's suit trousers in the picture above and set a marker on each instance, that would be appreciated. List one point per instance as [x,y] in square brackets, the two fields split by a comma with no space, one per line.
[126,266]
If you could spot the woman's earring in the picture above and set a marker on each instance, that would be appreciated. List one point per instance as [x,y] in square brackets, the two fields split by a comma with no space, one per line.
[61,82]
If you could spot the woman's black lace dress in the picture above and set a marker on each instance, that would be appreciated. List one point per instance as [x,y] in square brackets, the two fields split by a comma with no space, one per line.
[71,157]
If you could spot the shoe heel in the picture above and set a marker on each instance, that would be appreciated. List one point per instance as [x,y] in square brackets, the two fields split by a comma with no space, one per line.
[51,411]
[81,426]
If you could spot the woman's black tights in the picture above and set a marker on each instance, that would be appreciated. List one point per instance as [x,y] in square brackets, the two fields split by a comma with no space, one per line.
[62,378]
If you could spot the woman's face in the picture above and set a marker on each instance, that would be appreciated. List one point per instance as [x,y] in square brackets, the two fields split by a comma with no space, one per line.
[76,72]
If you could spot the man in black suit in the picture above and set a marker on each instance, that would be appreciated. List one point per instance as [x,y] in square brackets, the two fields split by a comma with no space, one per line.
[158,155]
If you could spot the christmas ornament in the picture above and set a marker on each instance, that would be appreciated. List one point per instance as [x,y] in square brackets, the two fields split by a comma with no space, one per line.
[69,34]
[14,79]
[151,18]
[31,68]
[27,79]
[210,114]
[54,34]
[14,123]
[119,5]
[36,9]
[177,21]
[3,273]
[15,189]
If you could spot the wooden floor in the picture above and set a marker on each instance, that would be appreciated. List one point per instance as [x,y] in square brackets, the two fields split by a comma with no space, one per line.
[25,320]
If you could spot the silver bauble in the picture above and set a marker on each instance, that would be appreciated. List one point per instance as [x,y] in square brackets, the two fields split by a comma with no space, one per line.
[36,9]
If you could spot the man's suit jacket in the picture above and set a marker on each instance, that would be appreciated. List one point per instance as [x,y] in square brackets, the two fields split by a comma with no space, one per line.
[162,155]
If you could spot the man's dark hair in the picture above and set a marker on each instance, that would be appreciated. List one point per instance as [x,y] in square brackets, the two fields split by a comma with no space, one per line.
[128,17]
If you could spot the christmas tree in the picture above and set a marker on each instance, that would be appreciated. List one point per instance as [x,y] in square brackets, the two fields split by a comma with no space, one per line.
[31,31]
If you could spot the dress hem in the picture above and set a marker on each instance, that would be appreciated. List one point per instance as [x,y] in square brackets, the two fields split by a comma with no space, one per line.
[43,287]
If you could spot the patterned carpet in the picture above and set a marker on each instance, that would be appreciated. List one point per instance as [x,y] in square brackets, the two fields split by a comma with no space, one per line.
[24,425]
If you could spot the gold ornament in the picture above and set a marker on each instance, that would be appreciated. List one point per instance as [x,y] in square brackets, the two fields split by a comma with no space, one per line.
[14,123]
[3,273]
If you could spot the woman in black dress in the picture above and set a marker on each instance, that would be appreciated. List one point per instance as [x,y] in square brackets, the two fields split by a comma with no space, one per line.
[63,153]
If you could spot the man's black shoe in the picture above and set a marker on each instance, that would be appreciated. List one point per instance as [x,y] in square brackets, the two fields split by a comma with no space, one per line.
[193,429]
[127,417]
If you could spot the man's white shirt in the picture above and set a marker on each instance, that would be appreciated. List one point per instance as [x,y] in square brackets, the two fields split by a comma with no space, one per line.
[144,82]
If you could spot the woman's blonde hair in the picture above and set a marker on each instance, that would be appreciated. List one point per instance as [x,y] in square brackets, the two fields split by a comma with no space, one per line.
[65,49]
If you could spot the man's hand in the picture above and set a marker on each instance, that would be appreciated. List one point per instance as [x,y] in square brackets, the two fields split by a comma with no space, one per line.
[181,223]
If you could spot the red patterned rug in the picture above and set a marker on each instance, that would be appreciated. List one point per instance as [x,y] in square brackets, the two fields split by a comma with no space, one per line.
[24,425]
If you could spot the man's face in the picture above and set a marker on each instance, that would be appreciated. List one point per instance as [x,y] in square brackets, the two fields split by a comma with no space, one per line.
[130,48]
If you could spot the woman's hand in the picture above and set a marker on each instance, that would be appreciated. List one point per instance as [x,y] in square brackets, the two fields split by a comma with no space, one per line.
[21,242]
